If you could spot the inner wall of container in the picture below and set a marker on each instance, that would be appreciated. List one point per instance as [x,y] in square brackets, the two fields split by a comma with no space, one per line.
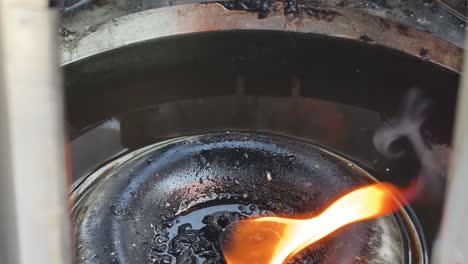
[328,91]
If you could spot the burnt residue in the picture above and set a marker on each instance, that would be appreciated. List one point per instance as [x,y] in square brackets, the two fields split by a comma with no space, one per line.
[194,245]
[366,38]
[423,52]
[295,7]
[321,13]
[384,23]
[66,35]
[314,10]
[403,29]
[195,241]
[262,7]
[428,2]
[342,3]
[379,2]
[440,17]
[291,7]
[64,32]
[376,4]
[409,13]
[173,204]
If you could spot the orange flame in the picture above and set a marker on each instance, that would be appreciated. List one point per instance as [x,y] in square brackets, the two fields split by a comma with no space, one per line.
[272,240]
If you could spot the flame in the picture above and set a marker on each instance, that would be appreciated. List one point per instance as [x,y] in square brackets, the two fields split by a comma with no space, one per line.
[272,240]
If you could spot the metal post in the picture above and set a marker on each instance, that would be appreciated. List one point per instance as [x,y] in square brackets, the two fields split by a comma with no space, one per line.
[452,246]
[34,226]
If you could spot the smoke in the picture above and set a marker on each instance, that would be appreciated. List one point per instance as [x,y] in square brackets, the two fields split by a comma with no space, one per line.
[406,128]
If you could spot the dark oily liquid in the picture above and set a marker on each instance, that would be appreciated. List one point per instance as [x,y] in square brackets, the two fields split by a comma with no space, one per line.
[195,237]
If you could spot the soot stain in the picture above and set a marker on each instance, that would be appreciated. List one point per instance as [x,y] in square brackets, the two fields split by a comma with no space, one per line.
[294,7]
[262,7]
[366,38]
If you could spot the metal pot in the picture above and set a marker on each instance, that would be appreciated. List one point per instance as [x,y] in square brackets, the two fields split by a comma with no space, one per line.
[327,75]
[173,200]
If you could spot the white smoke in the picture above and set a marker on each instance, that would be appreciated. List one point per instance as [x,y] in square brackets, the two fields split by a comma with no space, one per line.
[407,126]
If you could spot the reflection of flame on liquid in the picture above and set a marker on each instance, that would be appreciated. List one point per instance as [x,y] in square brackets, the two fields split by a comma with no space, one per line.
[272,240]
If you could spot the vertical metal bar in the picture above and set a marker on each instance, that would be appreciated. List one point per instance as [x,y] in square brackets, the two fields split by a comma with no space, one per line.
[452,245]
[33,206]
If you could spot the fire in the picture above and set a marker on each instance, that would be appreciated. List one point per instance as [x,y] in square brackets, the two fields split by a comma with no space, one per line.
[272,240]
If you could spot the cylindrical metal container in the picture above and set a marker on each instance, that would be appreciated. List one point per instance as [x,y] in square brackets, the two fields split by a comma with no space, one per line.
[325,76]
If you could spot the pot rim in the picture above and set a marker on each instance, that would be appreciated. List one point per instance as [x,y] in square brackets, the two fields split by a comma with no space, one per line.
[195,18]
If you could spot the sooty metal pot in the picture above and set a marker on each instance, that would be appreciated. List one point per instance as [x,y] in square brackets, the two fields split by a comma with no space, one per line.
[170,202]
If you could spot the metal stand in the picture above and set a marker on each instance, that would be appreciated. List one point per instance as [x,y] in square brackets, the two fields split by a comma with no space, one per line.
[452,246]
[34,224]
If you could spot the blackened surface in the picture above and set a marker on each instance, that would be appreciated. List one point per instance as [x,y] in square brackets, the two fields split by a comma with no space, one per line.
[131,215]
[443,18]
[291,6]
[200,245]
[321,13]
[262,7]
[379,2]
[423,52]
[366,38]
